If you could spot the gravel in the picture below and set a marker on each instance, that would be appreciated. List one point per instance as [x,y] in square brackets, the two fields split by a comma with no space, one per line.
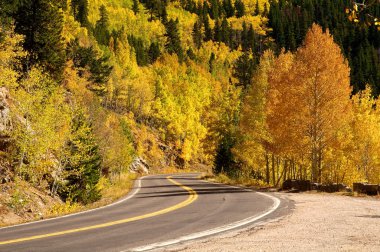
[319,222]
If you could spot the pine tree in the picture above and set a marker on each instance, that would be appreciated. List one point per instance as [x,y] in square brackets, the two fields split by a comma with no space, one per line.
[101,32]
[228,8]
[224,159]
[211,62]
[257,8]
[83,165]
[197,34]
[80,11]
[208,31]
[154,52]
[240,8]
[214,13]
[173,43]
[244,69]
[225,31]
[135,6]
[251,39]
[41,22]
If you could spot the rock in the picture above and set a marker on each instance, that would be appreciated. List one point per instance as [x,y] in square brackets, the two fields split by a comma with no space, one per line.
[5,118]
[139,165]
[369,189]
[300,185]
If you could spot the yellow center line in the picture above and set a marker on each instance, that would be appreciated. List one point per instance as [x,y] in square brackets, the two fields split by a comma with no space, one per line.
[192,197]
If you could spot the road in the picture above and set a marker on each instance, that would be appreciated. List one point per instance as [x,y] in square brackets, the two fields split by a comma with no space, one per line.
[161,210]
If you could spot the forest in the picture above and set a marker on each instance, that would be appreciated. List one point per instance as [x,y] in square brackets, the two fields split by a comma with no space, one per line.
[262,89]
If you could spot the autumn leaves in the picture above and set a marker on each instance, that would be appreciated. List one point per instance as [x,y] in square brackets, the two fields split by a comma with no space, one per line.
[298,112]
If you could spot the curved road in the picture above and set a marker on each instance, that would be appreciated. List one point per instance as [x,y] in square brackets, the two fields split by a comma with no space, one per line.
[160,211]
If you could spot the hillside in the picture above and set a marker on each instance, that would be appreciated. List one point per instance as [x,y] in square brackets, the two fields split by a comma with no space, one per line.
[260,90]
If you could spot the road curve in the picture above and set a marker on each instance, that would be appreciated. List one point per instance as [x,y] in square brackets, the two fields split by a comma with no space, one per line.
[161,210]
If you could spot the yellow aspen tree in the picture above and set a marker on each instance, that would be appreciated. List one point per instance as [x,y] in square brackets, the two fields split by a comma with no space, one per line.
[365,127]
[253,126]
[324,75]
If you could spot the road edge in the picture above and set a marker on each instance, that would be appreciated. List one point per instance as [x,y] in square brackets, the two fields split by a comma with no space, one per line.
[225,228]
[135,189]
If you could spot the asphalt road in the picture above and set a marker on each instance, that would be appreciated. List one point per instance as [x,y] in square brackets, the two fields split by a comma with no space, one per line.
[160,211]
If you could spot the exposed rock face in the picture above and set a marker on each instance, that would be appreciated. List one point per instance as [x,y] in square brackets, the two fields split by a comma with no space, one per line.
[139,165]
[5,118]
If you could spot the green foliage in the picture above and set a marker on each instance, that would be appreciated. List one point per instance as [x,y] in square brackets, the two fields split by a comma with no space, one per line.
[41,22]
[82,167]
[244,69]
[80,11]
[87,59]
[225,159]
[360,43]
[173,44]
[101,31]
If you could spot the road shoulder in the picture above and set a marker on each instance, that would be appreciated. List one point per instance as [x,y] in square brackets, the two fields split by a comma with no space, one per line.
[318,222]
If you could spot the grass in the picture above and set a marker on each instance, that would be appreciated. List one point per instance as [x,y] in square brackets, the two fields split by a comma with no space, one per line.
[240,181]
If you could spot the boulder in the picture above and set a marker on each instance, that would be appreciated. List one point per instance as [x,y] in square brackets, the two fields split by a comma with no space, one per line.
[139,165]
[300,185]
[369,189]
[5,118]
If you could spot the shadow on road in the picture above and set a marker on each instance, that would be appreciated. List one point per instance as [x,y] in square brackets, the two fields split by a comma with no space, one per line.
[202,191]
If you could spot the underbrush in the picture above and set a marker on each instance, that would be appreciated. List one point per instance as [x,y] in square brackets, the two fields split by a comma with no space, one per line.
[240,180]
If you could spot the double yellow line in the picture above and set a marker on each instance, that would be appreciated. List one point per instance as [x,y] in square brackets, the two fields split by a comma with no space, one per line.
[192,197]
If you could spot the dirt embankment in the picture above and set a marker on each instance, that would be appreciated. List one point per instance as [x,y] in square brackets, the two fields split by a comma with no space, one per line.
[319,222]
[22,202]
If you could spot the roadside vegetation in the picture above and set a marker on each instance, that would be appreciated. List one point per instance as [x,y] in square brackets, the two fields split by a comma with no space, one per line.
[258,90]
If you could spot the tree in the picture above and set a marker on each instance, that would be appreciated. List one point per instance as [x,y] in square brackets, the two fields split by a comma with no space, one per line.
[253,121]
[41,22]
[323,76]
[243,69]
[173,43]
[83,165]
[86,59]
[197,34]
[154,52]
[80,11]
[240,8]
[101,32]
[366,138]
[228,8]
[135,6]
[257,8]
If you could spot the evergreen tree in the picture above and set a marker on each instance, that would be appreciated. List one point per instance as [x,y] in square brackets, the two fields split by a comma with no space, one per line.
[173,43]
[214,13]
[41,22]
[208,31]
[197,34]
[225,32]
[83,165]
[265,11]
[240,8]
[251,39]
[80,11]
[244,69]
[228,8]
[101,32]
[135,6]
[86,59]
[217,31]
[257,8]
[211,62]
[154,52]
[224,159]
